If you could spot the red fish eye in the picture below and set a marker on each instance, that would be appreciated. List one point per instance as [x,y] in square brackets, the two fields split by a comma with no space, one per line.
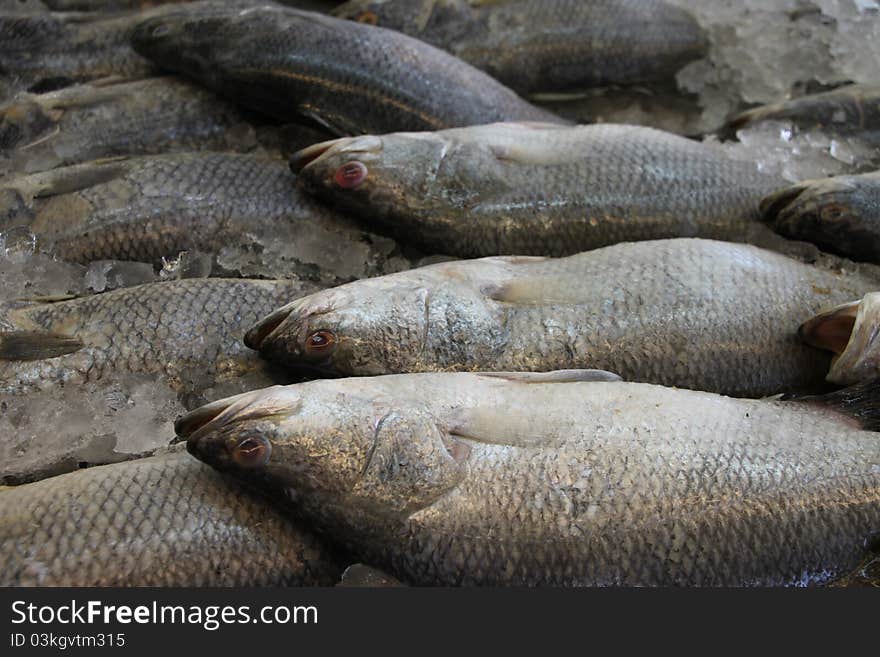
[252,452]
[320,341]
[350,175]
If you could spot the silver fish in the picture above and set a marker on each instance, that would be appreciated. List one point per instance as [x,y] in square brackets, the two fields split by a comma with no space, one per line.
[691,313]
[562,479]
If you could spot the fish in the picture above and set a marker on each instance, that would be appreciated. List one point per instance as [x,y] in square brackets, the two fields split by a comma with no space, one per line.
[536,189]
[851,110]
[107,6]
[150,207]
[188,331]
[46,51]
[346,77]
[166,520]
[568,479]
[850,331]
[840,214]
[555,47]
[110,118]
[362,576]
[690,313]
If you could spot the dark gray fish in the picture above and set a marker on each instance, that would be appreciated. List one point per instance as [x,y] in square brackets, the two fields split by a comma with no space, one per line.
[555,46]
[47,51]
[537,189]
[349,78]
[565,479]
[146,208]
[162,521]
[189,331]
[850,110]
[839,215]
[105,119]
[691,313]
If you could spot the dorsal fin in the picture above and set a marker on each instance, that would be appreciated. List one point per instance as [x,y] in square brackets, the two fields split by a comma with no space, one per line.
[535,291]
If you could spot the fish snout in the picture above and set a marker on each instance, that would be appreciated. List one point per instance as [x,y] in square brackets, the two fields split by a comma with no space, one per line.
[257,336]
[347,147]
[776,206]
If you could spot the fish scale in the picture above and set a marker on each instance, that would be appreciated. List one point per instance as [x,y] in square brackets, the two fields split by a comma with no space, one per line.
[163,328]
[553,46]
[111,118]
[161,521]
[146,208]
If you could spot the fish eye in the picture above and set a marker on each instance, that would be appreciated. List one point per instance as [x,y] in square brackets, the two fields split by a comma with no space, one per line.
[320,341]
[252,452]
[832,213]
[350,175]
[368,18]
[160,30]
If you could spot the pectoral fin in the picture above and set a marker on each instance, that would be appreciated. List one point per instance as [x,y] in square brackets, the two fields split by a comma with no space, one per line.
[34,345]
[860,403]
[536,291]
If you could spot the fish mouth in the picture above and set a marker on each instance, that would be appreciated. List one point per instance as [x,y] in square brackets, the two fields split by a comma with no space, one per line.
[257,336]
[193,423]
[304,157]
[363,145]
[772,207]
[850,332]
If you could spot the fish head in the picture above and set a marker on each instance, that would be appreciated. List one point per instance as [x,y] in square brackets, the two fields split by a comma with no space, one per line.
[837,214]
[413,321]
[190,39]
[384,174]
[177,39]
[852,333]
[338,443]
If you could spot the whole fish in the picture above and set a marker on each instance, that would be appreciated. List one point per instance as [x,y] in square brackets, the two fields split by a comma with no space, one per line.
[161,521]
[110,118]
[690,313]
[185,330]
[840,215]
[145,208]
[849,110]
[557,479]
[850,331]
[347,77]
[548,47]
[537,189]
